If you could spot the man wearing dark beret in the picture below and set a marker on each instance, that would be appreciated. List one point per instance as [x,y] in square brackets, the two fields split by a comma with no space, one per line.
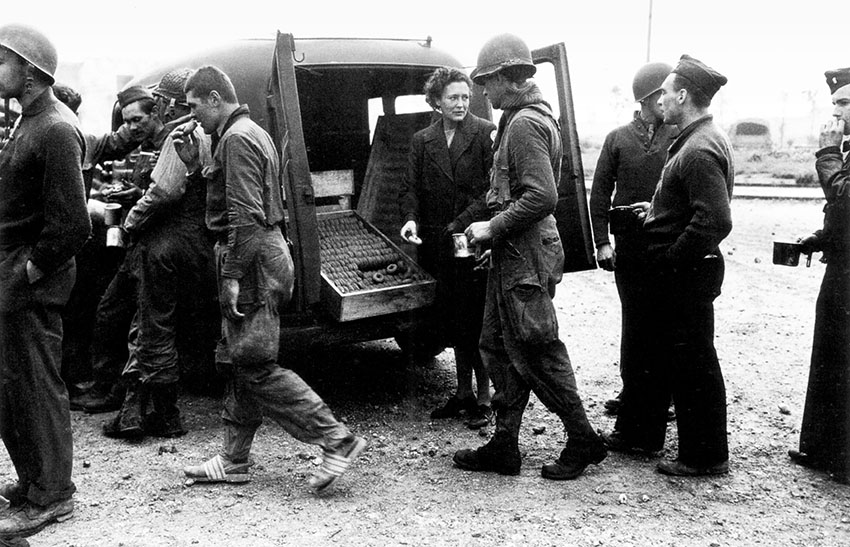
[683,225]
[142,130]
[825,432]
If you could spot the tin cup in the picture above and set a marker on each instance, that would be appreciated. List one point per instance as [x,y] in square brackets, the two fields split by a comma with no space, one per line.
[461,246]
[114,236]
[112,214]
[786,253]
[623,219]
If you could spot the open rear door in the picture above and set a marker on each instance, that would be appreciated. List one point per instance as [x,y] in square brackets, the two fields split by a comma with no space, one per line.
[288,134]
[571,212]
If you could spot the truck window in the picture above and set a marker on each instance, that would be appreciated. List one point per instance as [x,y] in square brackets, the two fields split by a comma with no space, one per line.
[404,104]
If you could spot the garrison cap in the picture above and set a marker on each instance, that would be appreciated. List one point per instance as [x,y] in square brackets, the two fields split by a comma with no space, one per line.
[133,94]
[701,75]
[836,79]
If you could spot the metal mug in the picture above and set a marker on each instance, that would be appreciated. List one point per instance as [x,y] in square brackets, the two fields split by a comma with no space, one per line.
[114,236]
[112,214]
[786,253]
[623,219]
[461,246]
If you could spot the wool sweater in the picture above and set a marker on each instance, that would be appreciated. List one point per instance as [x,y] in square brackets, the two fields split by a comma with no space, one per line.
[42,197]
[690,212]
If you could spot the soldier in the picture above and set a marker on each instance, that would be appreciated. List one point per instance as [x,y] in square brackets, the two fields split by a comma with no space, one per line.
[825,432]
[628,169]
[687,219]
[256,276]
[43,223]
[114,318]
[519,338]
[176,282]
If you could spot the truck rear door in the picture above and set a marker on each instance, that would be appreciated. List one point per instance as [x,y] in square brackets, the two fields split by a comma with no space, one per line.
[572,211]
[288,133]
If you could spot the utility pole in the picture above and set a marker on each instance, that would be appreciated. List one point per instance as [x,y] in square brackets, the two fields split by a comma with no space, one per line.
[649,34]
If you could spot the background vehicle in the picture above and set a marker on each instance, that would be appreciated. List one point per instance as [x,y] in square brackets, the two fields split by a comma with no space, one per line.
[342,113]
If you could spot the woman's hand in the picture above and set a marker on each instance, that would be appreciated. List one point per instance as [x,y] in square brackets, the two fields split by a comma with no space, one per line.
[409,232]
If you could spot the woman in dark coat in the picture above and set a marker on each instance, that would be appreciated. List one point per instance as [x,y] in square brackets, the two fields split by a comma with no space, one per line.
[448,170]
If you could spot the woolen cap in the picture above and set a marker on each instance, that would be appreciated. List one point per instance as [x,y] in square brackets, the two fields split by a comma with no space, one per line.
[133,94]
[836,79]
[701,75]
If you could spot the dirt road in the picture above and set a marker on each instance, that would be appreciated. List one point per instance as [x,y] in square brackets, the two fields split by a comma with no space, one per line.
[404,490]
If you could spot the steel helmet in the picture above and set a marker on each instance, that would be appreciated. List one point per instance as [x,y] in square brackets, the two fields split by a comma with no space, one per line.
[649,78]
[502,51]
[32,46]
[171,85]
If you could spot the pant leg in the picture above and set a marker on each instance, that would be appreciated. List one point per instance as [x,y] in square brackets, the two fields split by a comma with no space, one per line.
[699,392]
[261,386]
[198,316]
[96,266]
[114,316]
[35,421]
[510,392]
[647,348]
[629,290]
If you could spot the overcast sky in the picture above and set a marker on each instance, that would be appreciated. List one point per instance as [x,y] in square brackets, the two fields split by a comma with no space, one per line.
[772,52]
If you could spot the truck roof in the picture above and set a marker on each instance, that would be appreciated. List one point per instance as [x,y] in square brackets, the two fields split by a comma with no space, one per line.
[248,63]
[254,56]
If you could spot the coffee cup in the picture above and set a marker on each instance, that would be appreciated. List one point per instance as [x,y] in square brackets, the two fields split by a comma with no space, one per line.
[461,246]
[623,219]
[112,214]
[114,236]
[786,253]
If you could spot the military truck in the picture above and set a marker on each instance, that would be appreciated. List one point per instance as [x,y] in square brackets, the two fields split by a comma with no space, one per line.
[342,112]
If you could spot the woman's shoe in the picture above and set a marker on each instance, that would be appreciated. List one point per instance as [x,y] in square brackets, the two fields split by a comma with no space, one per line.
[479,417]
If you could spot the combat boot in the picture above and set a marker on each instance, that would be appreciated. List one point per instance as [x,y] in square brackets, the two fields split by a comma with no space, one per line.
[165,420]
[100,398]
[573,460]
[128,423]
[500,455]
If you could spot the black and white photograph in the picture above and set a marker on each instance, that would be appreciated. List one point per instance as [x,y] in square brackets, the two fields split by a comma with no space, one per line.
[424,274]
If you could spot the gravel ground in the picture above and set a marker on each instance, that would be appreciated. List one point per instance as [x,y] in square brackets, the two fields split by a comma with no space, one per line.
[404,490]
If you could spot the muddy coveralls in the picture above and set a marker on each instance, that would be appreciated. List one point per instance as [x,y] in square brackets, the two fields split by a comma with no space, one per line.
[519,339]
[43,219]
[177,304]
[245,210]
